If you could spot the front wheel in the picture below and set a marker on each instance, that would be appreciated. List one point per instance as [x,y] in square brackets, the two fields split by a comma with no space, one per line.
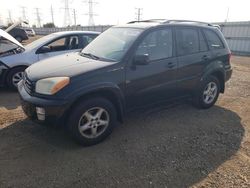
[92,121]
[208,93]
[14,76]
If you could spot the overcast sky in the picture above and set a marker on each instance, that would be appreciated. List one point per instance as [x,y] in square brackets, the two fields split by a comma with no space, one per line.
[122,11]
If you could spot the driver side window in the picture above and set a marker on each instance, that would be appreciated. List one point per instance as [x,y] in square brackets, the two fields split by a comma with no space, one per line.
[64,43]
[157,44]
[58,45]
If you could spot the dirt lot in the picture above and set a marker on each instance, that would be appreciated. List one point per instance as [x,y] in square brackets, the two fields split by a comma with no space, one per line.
[171,146]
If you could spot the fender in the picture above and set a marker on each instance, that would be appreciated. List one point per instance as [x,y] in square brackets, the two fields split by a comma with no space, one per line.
[106,89]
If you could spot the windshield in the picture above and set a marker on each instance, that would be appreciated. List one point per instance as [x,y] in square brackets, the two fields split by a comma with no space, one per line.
[112,44]
[6,45]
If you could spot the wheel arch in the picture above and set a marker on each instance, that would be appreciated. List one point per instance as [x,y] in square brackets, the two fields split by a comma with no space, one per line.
[221,77]
[217,70]
[12,68]
[111,94]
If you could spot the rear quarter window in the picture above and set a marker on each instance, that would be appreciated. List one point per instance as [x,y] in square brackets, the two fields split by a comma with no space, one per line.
[214,41]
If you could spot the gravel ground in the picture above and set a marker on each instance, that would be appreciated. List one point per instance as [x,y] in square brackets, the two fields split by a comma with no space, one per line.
[175,145]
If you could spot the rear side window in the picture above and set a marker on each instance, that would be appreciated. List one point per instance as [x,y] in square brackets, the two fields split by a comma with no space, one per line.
[157,44]
[213,40]
[187,41]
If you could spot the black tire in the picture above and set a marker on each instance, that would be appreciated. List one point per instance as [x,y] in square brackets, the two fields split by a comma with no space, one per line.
[11,74]
[79,111]
[199,96]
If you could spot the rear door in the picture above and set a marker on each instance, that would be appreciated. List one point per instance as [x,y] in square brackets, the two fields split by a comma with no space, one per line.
[155,81]
[193,56]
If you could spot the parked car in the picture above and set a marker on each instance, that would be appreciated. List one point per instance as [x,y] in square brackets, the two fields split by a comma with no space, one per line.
[124,68]
[30,32]
[19,34]
[20,57]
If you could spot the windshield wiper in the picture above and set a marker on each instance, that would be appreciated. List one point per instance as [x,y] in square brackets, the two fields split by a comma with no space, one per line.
[92,56]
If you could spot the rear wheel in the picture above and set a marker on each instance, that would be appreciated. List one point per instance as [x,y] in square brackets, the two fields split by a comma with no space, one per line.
[208,93]
[15,76]
[92,121]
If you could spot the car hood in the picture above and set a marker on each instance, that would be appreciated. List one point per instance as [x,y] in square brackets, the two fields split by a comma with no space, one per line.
[69,65]
[10,38]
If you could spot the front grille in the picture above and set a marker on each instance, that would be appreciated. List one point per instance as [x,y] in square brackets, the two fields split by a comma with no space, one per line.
[28,84]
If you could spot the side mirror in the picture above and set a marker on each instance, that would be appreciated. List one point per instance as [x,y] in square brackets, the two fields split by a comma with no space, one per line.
[44,49]
[141,59]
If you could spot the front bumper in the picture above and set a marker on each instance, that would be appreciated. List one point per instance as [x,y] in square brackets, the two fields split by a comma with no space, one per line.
[55,110]
[3,73]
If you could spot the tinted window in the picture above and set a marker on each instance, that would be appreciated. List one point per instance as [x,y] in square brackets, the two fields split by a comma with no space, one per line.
[157,44]
[187,41]
[214,41]
[203,43]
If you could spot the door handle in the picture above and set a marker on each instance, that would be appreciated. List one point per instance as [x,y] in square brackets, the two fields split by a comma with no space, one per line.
[205,57]
[171,65]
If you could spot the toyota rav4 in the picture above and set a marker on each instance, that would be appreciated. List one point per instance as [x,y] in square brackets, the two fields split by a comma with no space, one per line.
[124,68]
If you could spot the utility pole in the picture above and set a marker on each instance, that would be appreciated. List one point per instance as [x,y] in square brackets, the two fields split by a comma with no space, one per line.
[138,13]
[227,15]
[38,18]
[52,14]
[74,14]
[10,17]
[23,9]
[91,13]
[67,21]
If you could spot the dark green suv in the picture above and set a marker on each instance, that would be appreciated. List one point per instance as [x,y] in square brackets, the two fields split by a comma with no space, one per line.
[124,68]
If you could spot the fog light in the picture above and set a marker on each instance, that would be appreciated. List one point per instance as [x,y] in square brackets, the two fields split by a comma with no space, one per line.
[40,112]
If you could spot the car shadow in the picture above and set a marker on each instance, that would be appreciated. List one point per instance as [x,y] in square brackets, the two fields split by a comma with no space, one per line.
[165,146]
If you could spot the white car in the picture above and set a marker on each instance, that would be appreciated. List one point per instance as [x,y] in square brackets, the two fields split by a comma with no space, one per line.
[30,32]
[16,58]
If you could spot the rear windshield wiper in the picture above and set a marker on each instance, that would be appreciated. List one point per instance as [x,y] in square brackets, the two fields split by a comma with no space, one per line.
[90,55]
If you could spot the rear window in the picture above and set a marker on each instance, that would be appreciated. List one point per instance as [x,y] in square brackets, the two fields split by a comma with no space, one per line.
[213,40]
[187,41]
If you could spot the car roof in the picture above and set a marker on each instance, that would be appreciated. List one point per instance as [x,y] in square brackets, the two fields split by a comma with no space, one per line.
[145,24]
[76,32]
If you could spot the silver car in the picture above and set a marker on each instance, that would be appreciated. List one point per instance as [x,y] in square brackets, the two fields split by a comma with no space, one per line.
[17,57]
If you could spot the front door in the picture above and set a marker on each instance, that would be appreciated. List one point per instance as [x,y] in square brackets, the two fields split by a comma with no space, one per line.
[60,46]
[155,81]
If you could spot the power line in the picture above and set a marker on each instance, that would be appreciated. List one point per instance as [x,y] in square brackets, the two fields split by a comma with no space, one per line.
[91,13]
[138,13]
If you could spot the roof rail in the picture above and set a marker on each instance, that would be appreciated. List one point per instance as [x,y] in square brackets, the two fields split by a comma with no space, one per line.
[151,20]
[188,21]
[165,21]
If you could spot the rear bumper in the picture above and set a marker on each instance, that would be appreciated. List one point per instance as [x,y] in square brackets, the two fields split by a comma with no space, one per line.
[54,109]
[228,74]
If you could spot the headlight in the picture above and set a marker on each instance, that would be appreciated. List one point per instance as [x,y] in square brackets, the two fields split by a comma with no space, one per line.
[50,86]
